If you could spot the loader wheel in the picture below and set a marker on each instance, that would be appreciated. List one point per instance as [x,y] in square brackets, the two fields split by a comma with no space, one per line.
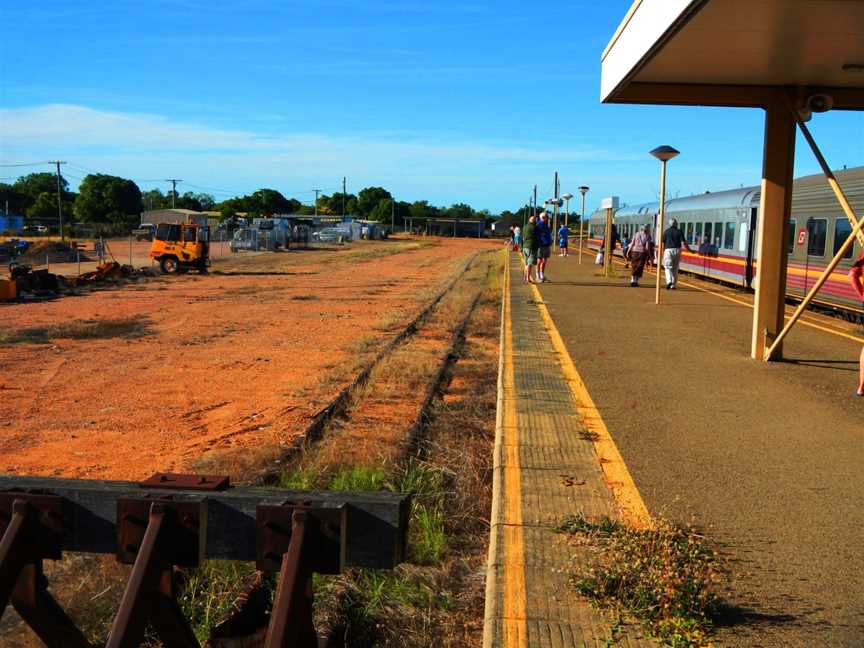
[169,265]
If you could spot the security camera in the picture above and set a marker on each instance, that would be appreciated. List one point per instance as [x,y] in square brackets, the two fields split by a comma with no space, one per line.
[819,103]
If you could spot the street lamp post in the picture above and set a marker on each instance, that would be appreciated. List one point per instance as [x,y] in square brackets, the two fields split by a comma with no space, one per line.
[566,197]
[582,190]
[664,154]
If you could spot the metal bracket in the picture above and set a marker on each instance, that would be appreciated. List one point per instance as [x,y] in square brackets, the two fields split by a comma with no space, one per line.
[187,482]
[158,534]
[300,540]
[32,526]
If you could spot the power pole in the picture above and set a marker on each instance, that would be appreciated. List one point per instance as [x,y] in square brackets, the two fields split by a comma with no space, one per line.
[534,204]
[343,197]
[59,200]
[392,214]
[317,191]
[173,182]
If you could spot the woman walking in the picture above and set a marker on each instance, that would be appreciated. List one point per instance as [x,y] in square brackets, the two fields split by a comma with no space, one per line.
[640,250]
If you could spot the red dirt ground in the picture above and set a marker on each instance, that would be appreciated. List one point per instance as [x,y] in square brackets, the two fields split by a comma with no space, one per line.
[238,359]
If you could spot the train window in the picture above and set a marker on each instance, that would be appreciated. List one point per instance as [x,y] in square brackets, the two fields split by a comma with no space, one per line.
[729,237]
[697,232]
[689,234]
[817,228]
[842,230]
[742,237]
[793,225]
[708,238]
[718,234]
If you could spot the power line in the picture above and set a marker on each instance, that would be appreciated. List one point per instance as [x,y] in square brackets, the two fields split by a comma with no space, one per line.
[27,164]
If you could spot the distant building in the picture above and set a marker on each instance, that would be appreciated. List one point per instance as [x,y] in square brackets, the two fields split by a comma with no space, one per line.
[11,223]
[156,216]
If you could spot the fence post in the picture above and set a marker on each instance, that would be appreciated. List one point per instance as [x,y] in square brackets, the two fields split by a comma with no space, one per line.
[130,249]
[78,257]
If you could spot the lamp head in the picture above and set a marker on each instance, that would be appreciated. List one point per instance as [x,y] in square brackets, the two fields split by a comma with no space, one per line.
[665,153]
[567,196]
[583,190]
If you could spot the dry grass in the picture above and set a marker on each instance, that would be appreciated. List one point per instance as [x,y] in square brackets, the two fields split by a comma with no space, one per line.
[666,577]
[79,330]
[439,602]
[87,587]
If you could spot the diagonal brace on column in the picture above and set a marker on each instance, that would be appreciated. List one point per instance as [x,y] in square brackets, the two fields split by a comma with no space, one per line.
[857,232]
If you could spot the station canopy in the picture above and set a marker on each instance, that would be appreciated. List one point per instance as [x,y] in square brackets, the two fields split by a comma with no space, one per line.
[730,52]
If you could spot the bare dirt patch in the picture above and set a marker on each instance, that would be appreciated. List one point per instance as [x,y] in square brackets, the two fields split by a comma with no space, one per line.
[239,359]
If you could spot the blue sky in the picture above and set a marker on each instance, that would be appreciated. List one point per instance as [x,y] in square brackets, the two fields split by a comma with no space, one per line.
[448,101]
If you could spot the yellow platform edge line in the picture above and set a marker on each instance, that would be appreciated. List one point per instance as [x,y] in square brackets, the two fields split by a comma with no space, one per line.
[506,499]
[615,471]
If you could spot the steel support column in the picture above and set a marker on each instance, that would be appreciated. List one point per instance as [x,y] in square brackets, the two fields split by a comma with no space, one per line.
[773,227]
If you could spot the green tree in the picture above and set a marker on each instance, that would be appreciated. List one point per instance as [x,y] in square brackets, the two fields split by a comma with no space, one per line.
[382,211]
[460,210]
[266,202]
[333,204]
[16,200]
[107,199]
[34,184]
[44,207]
[369,200]
[155,199]
[422,209]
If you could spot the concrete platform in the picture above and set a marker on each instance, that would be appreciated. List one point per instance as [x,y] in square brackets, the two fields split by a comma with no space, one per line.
[547,464]
[767,458]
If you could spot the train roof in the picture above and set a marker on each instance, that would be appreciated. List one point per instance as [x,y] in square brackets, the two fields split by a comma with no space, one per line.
[806,190]
[730,199]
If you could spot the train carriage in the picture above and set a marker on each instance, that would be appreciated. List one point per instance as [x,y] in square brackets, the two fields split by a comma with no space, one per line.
[721,228]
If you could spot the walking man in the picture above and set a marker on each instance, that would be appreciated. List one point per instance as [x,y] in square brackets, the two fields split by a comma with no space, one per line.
[641,249]
[563,240]
[673,239]
[530,246]
[544,240]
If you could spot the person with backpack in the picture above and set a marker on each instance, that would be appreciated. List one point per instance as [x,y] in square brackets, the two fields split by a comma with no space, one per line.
[544,239]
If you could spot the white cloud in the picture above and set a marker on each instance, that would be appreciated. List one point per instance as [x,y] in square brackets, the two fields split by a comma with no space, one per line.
[145,146]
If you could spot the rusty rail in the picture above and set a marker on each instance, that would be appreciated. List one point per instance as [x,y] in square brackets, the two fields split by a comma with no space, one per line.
[172,521]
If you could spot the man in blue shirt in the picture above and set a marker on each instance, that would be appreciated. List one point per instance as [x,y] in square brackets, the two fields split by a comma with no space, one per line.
[563,239]
[544,239]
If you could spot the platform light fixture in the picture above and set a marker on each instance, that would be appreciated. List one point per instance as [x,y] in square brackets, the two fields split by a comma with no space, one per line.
[664,154]
[582,190]
[566,197]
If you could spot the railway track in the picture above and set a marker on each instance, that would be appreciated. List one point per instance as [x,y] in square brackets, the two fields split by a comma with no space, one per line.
[338,404]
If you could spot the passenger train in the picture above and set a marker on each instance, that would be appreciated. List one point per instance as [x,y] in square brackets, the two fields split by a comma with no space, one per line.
[721,230]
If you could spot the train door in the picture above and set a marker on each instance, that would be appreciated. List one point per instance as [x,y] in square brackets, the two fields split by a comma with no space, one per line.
[749,271]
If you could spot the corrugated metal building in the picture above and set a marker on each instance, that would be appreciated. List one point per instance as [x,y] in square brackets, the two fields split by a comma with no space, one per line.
[11,223]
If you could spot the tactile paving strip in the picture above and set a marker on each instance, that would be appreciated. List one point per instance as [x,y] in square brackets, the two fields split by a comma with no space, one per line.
[542,444]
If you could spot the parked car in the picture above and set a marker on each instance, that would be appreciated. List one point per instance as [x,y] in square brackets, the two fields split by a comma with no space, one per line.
[144,232]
